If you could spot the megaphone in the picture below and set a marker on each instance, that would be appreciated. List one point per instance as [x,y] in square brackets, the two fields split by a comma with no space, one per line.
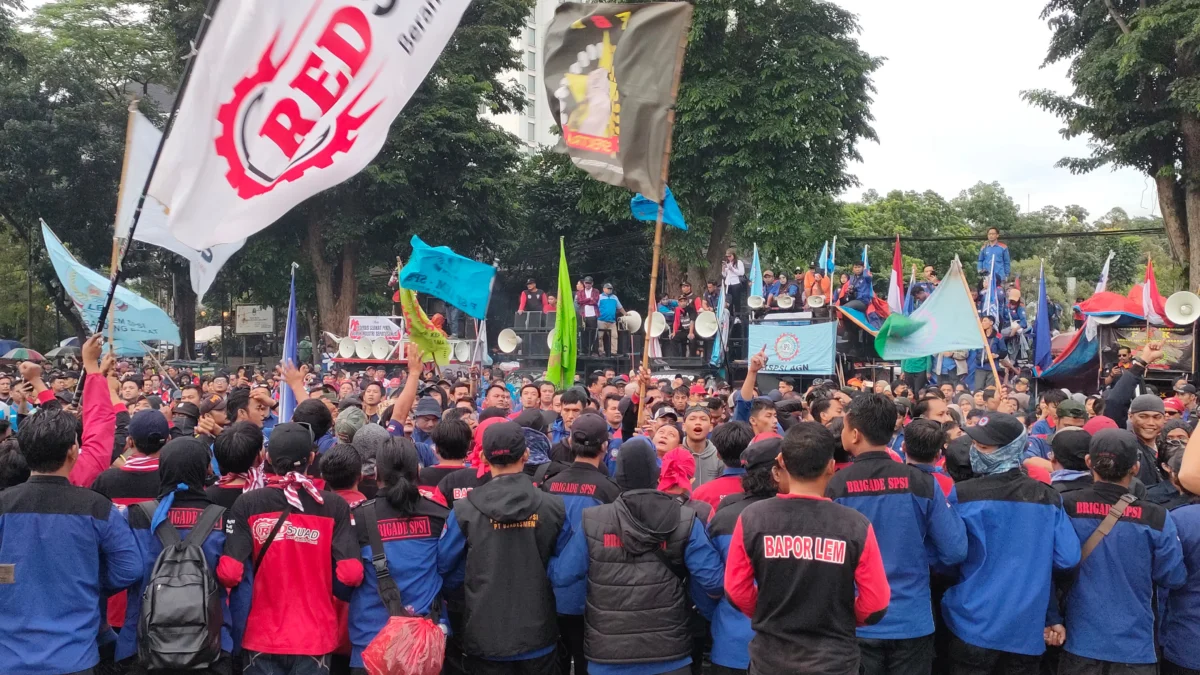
[508,340]
[1183,308]
[462,351]
[755,302]
[362,348]
[1107,319]
[658,324]
[816,301]
[346,347]
[380,348]
[631,322]
[786,302]
[550,339]
[706,324]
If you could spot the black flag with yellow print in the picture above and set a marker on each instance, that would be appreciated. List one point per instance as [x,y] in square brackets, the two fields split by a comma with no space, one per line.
[610,70]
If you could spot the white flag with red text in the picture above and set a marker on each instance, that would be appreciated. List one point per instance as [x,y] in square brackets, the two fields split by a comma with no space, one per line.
[288,98]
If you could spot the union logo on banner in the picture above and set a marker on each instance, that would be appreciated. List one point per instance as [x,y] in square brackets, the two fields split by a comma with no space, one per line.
[787,346]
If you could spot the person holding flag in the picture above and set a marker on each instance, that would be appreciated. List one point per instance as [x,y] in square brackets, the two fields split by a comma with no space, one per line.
[857,293]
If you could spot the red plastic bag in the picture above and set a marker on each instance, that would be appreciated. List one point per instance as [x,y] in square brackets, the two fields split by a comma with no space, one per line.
[406,646]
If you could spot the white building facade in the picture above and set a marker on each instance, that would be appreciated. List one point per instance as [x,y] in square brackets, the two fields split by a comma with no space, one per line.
[532,126]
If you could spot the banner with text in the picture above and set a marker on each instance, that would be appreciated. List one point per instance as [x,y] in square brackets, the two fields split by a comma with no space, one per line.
[1178,345]
[372,327]
[795,350]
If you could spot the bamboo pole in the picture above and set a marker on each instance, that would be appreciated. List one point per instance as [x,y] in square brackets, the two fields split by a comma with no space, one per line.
[978,324]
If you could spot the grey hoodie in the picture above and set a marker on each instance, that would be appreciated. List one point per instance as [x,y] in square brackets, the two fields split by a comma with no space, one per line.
[708,465]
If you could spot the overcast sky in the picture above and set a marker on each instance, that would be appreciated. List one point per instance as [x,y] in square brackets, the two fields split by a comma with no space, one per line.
[948,109]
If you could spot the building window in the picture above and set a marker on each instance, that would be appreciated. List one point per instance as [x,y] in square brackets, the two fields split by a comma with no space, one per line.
[531,85]
[532,130]
[531,59]
[530,37]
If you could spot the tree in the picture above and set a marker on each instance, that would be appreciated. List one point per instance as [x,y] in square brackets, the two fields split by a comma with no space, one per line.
[1134,65]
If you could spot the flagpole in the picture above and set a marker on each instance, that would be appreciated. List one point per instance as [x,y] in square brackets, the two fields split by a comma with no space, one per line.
[658,224]
[119,258]
[978,324]
[116,242]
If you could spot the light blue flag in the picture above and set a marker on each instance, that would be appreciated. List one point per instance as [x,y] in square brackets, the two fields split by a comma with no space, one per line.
[647,210]
[1041,327]
[866,263]
[135,319]
[832,258]
[823,259]
[936,326]
[722,330]
[442,273]
[908,297]
[756,283]
[287,400]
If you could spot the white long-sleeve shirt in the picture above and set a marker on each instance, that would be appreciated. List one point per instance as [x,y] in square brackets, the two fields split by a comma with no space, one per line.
[733,272]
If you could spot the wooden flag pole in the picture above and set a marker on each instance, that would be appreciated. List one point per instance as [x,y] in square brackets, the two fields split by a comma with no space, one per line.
[658,224]
[978,324]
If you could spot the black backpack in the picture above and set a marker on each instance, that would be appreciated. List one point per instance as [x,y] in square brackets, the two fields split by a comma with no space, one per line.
[179,626]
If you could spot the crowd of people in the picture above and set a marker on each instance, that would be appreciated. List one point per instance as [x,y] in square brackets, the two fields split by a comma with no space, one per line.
[626,525]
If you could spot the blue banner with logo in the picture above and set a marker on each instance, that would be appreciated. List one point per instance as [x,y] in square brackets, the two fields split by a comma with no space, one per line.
[442,273]
[795,350]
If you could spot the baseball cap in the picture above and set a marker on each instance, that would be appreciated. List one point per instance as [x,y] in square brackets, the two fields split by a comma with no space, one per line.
[530,280]
[587,280]
[210,403]
[1070,447]
[1174,405]
[760,453]
[697,389]
[589,429]
[290,445]
[187,409]
[427,407]
[666,411]
[996,429]
[608,285]
[1119,445]
[1072,408]
[503,439]
[1186,389]
[146,425]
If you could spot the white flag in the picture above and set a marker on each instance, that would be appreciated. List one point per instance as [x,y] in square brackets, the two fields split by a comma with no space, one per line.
[288,98]
[1103,283]
[153,225]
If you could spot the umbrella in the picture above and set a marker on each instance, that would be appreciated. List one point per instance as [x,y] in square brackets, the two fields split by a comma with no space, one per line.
[23,354]
[62,352]
[9,345]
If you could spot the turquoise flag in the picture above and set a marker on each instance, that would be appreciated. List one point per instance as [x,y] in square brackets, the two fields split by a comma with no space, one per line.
[945,323]
[442,273]
[647,210]
[756,282]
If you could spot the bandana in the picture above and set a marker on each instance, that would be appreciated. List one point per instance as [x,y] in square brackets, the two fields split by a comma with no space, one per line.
[678,470]
[254,479]
[1005,458]
[288,484]
[141,464]
[475,459]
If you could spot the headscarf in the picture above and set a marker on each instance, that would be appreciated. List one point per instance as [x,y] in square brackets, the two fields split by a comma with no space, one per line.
[368,440]
[1005,458]
[637,465]
[349,421]
[678,470]
[476,457]
[183,466]
[538,446]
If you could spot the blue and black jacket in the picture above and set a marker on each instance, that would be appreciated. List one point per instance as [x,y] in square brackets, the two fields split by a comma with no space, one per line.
[66,548]
[999,251]
[909,513]
[581,486]
[184,512]
[1017,533]
[1179,630]
[731,631]
[1110,604]
[413,559]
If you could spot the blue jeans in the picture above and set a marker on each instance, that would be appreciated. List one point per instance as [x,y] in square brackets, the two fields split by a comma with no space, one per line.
[258,663]
[453,320]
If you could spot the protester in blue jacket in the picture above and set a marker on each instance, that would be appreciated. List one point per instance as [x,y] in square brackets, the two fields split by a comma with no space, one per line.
[63,550]
[996,250]
[979,369]
[1118,578]
[910,515]
[1017,534]
[1179,631]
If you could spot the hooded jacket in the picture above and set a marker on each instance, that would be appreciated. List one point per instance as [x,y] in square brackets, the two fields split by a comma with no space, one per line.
[506,533]
[708,465]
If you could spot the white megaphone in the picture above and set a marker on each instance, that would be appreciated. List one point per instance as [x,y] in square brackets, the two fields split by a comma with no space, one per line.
[816,301]
[1183,308]
[508,340]
[462,351]
[706,324]
[658,324]
[755,302]
[631,322]
[786,302]
[362,348]
[550,339]
[346,347]
[380,348]
[1107,319]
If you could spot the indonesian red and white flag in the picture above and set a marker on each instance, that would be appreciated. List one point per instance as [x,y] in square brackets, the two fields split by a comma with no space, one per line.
[896,282]
[288,98]
[1152,302]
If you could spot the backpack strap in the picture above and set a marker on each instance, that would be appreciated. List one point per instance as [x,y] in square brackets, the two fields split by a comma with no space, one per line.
[389,592]
[167,534]
[262,552]
[204,525]
[539,474]
[1106,525]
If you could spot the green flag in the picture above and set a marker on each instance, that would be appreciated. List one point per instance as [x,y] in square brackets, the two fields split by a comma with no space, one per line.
[944,323]
[561,368]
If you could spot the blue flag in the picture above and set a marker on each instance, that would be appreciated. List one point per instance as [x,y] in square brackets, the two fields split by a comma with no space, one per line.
[832,259]
[1041,327]
[934,327]
[823,259]
[442,273]
[756,282]
[644,209]
[908,298]
[287,400]
[722,331]
[866,263]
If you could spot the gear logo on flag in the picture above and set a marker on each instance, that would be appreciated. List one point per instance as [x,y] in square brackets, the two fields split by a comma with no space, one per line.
[273,129]
[787,346]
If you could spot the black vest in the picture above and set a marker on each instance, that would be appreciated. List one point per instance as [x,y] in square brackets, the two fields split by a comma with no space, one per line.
[637,607]
[510,602]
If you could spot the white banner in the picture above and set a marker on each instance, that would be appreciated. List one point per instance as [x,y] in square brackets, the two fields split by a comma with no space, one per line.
[254,320]
[289,98]
[371,327]
[140,145]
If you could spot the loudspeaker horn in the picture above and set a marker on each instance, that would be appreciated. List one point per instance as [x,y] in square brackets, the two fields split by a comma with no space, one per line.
[631,322]
[380,348]
[1183,308]
[816,301]
[706,324]
[1107,319]
[658,324]
[550,339]
[508,340]
[462,351]
[786,302]
[755,302]
[346,347]
[362,348]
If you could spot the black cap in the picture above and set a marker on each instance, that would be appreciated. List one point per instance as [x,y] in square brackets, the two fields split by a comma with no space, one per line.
[290,445]
[187,409]
[1119,445]
[1186,389]
[996,429]
[210,403]
[530,281]
[147,426]
[427,407]
[1070,446]
[503,439]
[587,280]
[589,429]
[760,453]
[697,409]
